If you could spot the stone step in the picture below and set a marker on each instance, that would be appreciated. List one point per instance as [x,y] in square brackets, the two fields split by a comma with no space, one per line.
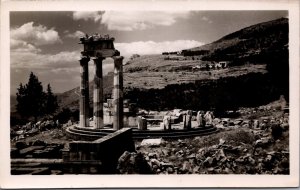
[177,136]
[89,134]
[174,135]
[81,136]
[174,130]
[94,132]
[30,171]
[107,128]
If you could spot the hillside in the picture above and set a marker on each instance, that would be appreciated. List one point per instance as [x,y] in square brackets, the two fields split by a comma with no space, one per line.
[70,98]
[248,43]
[257,73]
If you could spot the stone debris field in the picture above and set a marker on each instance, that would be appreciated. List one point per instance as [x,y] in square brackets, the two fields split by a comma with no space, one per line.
[256,142]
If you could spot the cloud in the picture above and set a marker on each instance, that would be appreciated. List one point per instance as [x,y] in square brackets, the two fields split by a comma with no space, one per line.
[60,81]
[133,20]
[138,20]
[61,70]
[76,34]
[151,47]
[22,46]
[35,35]
[27,59]
[93,15]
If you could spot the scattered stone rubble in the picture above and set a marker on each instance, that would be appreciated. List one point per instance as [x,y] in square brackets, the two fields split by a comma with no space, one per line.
[245,145]
[257,142]
[47,130]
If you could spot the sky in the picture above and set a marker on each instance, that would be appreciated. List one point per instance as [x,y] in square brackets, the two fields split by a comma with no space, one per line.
[46,43]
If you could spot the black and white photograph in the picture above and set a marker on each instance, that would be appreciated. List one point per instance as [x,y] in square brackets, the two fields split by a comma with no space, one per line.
[174,93]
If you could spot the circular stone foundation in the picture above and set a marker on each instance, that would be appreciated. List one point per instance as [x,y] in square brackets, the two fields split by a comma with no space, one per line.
[89,133]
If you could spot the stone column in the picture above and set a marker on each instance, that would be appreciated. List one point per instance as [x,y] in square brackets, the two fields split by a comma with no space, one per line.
[98,93]
[118,93]
[84,92]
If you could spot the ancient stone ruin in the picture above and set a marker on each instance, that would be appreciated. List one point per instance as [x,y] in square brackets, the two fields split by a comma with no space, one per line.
[98,48]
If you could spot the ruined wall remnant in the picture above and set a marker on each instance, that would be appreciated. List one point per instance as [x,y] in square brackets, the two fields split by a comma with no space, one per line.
[105,150]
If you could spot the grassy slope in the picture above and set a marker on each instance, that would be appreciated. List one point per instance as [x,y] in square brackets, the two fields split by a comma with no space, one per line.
[155,72]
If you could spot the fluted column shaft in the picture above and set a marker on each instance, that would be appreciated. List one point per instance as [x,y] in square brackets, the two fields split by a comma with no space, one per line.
[98,93]
[118,93]
[84,92]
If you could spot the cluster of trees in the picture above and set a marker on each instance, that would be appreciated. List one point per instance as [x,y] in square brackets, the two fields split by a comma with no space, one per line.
[32,101]
[170,53]
[134,56]
[194,53]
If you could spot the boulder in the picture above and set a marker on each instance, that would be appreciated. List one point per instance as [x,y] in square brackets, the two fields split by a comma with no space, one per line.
[219,155]
[21,145]
[208,161]
[152,155]
[263,142]
[186,166]
[151,142]
[133,163]
[170,170]
[221,141]
[191,156]
[220,126]
[166,164]
[196,169]
[154,161]
[237,122]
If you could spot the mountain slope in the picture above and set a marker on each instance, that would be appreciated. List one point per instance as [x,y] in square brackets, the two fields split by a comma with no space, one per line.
[70,98]
[271,36]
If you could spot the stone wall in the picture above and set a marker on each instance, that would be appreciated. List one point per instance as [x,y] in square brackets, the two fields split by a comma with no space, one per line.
[106,150]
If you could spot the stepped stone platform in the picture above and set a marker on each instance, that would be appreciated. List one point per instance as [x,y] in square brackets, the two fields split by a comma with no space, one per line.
[88,133]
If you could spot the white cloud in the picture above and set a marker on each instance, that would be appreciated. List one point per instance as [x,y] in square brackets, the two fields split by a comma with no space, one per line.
[22,46]
[132,20]
[138,20]
[76,34]
[129,21]
[35,35]
[150,47]
[87,15]
[61,70]
[27,59]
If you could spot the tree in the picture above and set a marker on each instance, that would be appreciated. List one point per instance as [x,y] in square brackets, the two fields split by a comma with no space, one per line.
[21,99]
[51,101]
[31,98]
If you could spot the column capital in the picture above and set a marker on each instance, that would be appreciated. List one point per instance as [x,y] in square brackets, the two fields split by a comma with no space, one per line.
[118,61]
[117,58]
[84,60]
[98,60]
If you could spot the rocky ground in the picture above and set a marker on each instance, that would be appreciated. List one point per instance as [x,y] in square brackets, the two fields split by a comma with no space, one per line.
[255,143]
[47,131]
